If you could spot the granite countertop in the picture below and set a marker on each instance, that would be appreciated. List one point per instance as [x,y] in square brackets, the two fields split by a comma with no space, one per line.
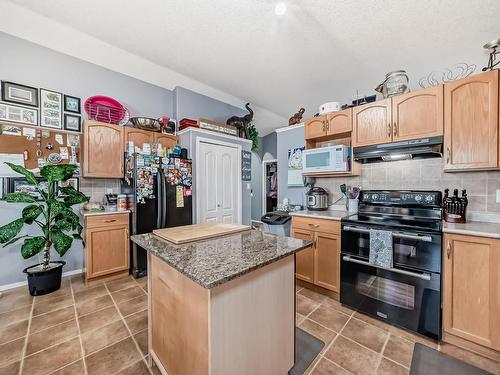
[218,260]
[327,214]
[473,228]
[105,212]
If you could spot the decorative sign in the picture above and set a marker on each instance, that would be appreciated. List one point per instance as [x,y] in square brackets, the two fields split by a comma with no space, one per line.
[246,166]
[294,177]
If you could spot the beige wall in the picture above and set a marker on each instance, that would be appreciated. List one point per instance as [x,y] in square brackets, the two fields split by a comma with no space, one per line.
[95,188]
[424,175]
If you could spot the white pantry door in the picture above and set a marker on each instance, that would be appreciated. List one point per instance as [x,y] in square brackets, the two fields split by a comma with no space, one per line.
[219,183]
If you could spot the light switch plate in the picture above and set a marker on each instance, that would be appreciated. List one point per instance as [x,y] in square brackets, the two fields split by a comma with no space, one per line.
[109,191]
[498,196]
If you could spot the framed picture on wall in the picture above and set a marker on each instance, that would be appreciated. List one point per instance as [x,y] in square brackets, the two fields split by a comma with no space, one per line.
[19,94]
[50,109]
[72,122]
[16,113]
[71,104]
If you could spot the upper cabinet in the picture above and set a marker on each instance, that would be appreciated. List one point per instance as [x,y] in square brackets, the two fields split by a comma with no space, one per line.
[315,127]
[138,136]
[372,124]
[418,114]
[102,150]
[339,122]
[471,122]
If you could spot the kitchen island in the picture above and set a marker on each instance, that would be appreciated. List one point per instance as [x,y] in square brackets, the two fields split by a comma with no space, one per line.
[224,305]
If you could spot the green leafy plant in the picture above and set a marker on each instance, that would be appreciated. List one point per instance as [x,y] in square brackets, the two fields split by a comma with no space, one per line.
[253,135]
[54,215]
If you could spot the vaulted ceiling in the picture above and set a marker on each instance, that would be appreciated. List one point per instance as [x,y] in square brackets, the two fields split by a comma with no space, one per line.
[318,51]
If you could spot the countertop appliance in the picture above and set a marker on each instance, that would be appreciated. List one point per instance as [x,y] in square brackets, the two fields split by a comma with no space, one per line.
[335,158]
[277,222]
[317,199]
[409,293]
[162,193]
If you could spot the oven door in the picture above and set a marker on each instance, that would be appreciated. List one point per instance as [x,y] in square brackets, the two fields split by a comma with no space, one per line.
[417,250]
[399,296]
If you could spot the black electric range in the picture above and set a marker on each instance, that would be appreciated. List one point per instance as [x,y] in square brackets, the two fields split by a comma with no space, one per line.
[409,293]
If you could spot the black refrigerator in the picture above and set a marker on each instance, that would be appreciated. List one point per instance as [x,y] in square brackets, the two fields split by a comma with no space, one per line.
[159,191]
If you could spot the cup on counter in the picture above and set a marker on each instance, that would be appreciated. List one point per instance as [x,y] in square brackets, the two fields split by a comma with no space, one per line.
[352,205]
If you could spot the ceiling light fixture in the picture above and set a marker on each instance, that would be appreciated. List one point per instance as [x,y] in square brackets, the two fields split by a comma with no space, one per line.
[280,8]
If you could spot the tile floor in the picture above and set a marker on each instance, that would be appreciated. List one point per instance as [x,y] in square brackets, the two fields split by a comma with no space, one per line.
[102,329]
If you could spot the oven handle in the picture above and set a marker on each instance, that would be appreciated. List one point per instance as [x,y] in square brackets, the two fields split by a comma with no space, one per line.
[394,234]
[424,276]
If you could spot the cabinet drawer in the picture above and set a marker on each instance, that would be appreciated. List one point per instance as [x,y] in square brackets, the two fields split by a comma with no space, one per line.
[106,220]
[319,225]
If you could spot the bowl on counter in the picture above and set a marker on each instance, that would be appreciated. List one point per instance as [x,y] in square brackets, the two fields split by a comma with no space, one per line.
[146,123]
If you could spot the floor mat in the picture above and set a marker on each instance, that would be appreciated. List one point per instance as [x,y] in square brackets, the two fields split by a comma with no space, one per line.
[429,361]
[307,348]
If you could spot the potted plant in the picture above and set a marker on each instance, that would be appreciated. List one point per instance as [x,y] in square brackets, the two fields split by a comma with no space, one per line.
[58,223]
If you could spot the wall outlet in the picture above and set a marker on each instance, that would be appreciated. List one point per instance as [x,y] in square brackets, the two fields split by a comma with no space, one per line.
[498,196]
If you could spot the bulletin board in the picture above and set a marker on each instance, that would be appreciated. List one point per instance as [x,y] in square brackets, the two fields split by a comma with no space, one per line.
[19,143]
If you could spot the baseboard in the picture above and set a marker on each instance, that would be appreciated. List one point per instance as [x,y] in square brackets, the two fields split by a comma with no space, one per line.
[23,283]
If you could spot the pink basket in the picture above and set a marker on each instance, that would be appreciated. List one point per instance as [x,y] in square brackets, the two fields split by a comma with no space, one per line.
[104,109]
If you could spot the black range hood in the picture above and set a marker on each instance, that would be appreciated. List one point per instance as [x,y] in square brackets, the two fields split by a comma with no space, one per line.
[423,148]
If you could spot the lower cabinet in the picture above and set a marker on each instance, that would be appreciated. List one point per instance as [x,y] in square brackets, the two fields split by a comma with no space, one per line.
[106,245]
[471,295]
[319,264]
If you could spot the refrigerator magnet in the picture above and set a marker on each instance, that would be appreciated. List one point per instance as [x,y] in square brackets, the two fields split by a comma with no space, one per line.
[179,197]
[187,192]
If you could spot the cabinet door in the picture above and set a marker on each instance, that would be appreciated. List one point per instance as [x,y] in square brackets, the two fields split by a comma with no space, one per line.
[327,261]
[372,123]
[471,307]
[418,114]
[471,122]
[107,250]
[166,140]
[315,127]
[304,259]
[339,122]
[138,136]
[102,150]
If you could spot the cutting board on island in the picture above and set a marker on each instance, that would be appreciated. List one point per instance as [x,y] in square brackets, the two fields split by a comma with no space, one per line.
[196,232]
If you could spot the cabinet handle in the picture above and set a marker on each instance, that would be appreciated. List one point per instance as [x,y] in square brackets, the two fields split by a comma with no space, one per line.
[448,249]
[448,155]
[389,130]
[110,221]
[314,225]
[395,128]
[323,126]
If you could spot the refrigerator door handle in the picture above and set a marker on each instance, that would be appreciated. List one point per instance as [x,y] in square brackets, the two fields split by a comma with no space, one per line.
[159,215]
[163,201]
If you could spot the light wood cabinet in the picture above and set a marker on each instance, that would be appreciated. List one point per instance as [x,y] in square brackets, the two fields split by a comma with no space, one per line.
[471,281]
[167,141]
[327,261]
[106,245]
[418,114]
[304,260]
[471,122]
[319,264]
[138,136]
[339,122]
[315,127]
[372,124]
[102,150]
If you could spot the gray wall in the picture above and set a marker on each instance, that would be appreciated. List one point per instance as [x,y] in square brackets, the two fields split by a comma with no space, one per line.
[188,140]
[285,140]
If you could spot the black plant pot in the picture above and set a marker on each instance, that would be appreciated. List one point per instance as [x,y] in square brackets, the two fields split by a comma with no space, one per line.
[45,282]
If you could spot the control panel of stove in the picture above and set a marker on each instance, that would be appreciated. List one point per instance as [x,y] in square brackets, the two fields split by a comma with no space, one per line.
[396,197]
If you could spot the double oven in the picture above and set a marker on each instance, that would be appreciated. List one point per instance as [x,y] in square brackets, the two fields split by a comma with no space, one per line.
[409,293]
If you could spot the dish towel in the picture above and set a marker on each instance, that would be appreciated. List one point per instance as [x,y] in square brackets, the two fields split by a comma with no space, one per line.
[380,248]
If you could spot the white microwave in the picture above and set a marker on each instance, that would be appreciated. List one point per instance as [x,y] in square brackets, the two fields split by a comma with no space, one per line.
[327,159]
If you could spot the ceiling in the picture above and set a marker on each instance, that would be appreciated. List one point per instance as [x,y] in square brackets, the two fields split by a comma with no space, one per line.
[318,51]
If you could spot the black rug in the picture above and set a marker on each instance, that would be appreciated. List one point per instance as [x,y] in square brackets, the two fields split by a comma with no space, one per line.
[428,361]
[307,348]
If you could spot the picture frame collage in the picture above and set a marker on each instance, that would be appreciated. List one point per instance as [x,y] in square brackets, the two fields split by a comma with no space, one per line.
[42,107]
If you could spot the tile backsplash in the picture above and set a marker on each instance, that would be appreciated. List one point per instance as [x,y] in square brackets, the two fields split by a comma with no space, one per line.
[96,188]
[426,174]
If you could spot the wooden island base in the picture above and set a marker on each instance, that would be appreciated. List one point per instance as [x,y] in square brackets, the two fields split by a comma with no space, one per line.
[244,326]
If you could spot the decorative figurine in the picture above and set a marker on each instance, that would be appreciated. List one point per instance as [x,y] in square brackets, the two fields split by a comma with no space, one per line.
[492,61]
[241,123]
[296,118]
